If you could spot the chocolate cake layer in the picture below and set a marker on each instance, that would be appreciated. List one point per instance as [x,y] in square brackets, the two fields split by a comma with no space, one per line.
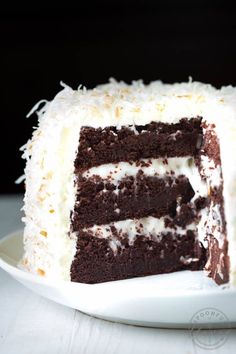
[98,203]
[210,144]
[217,254]
[217,261]
[108,145]
[95,261]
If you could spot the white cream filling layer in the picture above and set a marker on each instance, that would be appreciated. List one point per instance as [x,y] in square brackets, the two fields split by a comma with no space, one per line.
[150,227]
[150,167]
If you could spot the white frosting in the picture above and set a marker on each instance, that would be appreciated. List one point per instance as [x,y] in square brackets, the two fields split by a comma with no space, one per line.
[49,170]
[150,227]
[49,198]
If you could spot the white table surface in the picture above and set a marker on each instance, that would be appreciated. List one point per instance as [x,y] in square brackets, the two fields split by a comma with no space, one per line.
[30,324]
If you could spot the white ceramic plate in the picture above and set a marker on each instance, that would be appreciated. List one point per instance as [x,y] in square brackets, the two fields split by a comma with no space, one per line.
[178,300]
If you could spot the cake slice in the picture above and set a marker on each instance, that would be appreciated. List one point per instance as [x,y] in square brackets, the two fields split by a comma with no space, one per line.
[133,180]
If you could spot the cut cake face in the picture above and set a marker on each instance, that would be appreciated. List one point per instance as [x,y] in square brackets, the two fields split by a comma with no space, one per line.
[125,181]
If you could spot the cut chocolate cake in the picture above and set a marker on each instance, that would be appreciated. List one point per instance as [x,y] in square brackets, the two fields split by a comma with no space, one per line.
[132,180]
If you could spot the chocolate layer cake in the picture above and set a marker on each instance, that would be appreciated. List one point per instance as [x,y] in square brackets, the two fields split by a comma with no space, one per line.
[132,180]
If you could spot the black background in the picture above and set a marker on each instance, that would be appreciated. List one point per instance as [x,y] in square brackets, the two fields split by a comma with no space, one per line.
[89,43]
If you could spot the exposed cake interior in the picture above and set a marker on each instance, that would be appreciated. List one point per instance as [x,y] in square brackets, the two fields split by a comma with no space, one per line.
[149,201]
